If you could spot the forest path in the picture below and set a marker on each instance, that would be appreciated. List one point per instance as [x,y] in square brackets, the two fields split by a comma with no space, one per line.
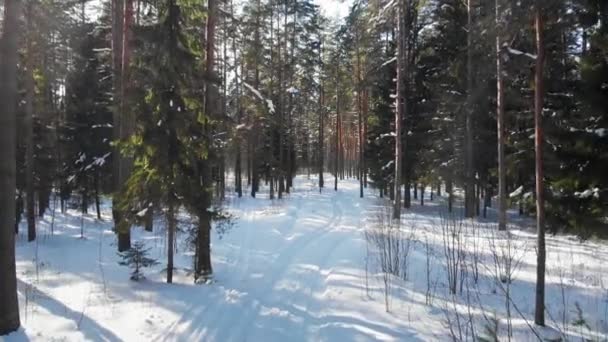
[292,270]
[289,270]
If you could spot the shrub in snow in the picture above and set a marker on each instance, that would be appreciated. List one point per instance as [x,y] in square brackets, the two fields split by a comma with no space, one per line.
[137,258]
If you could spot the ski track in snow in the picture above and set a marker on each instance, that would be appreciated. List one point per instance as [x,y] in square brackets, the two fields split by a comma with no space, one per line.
[289,270]
[309,246]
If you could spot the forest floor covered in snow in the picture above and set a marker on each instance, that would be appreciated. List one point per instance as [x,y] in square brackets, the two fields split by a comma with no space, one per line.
[312,267]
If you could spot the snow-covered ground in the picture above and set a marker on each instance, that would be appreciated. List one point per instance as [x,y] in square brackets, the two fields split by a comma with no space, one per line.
[295,270]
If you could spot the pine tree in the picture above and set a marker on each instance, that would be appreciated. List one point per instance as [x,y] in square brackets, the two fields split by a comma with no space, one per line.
[29,127]
[87,132]
[9,306]
[539,315]
[137,258]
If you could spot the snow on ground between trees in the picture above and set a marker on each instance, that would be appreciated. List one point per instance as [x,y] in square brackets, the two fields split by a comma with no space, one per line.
[296,270]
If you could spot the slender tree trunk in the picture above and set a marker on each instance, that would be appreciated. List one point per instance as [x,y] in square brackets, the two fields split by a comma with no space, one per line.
[500,123]
[360,114]
[292,138]
[422,186]
[478,197]
[238,179]
[469,180]
[9,306]
[29,129]
[172,152]
[399,104]
[238,78]
[85,199]
[97,199]
[117,17]
[487,202]
[253,155]
[248,160]
[171,227]
[539,315]
[321,142]
[365,115]
[271,193]
[254,165]
[449,188]
[337,156]
[407,184]
[118,43]
[203,263]
[281,112]
[321,124]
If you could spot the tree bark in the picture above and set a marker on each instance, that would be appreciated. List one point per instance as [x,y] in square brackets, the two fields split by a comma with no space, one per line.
[118,21]
[29,129]
[399,104]
[281,112]
[171,227]
[238,79]
[469,180]
[97,195]
[500,123]
[203,263]
[337,152]
[360,113]
[422,188]
[253,157]
[9,306]
[321,124]
[149,219]
[449,188]
[539,315]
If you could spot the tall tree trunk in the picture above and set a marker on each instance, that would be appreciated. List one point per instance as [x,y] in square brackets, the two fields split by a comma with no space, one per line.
[321,123]
[399,105]
[29,128]
[365,115]
[539,315]
[337,152]
[360,113]
[118,17]
[203,262]
[253,135]
[239,80]
[469,180]
[500,123]
[171,227]
[224,113]
[291,137]
[9,306]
